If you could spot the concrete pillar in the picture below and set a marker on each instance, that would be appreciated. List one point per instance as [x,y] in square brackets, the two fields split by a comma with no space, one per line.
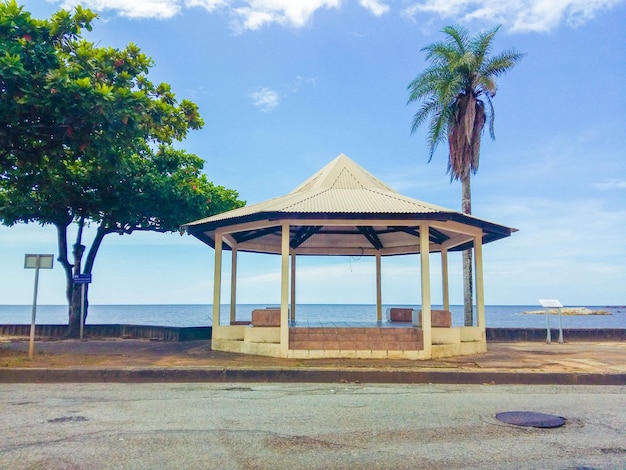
[479,281]
[293,286]
[233,285]
[444,279]
[217,278]
[284,290]
[379,290]
[425,274]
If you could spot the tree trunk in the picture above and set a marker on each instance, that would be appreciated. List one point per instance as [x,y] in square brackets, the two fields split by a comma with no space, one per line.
[73,291]
[73,326]
[74,323]
[468,276]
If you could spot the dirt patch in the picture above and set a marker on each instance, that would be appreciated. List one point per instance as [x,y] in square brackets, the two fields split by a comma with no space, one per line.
[118,353]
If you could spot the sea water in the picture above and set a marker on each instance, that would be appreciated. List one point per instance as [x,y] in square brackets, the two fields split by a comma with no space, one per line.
[496,316]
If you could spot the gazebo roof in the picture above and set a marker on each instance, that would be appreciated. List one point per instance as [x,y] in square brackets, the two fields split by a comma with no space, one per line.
[343,209]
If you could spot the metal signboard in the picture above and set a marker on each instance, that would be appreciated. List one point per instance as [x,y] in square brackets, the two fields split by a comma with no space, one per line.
[82,279]
[38,261]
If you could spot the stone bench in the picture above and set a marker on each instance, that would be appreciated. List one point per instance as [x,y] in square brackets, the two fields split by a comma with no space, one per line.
[397,314]
[266,317]
[438,319]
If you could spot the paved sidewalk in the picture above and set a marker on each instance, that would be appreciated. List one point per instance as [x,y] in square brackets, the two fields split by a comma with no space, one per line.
[193,361]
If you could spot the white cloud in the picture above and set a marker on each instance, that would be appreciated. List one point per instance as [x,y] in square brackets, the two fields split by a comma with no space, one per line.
[254,14]
[208,5]
[515,15]
[265,99]
[159,9]
[376,7]
[610,185]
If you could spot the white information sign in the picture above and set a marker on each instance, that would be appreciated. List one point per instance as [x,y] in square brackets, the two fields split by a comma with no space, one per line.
[547,304]
[36,262]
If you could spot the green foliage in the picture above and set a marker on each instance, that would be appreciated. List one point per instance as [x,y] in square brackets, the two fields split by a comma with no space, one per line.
[456,91]
[78,124]
[157,191]
[86,137]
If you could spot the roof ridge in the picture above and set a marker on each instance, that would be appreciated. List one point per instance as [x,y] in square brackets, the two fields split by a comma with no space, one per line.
[330,175]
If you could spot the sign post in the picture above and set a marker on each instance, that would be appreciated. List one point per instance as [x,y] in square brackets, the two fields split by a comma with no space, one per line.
[82,279]
[36,262]
[552,303]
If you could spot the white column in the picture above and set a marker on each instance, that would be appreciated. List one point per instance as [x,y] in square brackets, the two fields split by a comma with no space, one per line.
[425,274]
[284,290]
[379,289]
[293,285]
[233,285]
[444,279]
[479,281]
[217,278]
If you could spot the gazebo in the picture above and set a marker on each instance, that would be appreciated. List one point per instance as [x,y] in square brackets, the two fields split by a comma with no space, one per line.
[345,210]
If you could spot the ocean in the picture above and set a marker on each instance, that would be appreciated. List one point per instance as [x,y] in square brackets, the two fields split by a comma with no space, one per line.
[496,316]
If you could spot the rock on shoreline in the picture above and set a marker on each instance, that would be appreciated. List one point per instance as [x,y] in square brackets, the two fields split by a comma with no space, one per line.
[570,311]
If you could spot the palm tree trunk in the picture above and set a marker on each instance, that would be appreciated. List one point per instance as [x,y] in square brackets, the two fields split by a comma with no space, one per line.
[468,275]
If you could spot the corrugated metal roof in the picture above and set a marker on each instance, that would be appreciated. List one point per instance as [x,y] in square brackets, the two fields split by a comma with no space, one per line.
[341,192]
[342,186]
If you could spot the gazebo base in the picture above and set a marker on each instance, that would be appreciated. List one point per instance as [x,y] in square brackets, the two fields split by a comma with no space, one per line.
[360,343]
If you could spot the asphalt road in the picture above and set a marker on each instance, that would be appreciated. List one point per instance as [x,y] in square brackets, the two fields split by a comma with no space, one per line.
[329,426]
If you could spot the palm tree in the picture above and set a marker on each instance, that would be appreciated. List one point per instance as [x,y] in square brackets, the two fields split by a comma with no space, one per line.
[456,91]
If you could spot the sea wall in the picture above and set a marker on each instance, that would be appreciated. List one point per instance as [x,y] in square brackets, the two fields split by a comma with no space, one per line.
[161,333]
[173,333]
[501,335]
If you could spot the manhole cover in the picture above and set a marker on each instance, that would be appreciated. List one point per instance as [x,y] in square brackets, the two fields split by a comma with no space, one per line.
[530,418]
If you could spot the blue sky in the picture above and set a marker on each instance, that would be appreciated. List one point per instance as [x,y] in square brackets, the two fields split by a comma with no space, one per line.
[287,85]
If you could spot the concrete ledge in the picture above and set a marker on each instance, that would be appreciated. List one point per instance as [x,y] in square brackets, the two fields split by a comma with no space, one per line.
[246,347]
[446,335]
[260,334]
[471,334]
[158,375]
[235,332]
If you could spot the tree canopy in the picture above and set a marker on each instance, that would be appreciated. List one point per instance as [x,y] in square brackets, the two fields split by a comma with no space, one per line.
[456,91]
[87,138]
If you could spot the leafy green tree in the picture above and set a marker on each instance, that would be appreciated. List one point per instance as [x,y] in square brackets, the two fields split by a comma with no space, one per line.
[456,92]
[86,138]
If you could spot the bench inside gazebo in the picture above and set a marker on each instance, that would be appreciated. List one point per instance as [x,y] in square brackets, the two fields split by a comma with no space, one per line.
[343,210]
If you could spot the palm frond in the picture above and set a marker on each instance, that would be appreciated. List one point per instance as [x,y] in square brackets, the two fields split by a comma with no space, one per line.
[481,44]
[457,36]
[431,107]
[438,130]
[501,63]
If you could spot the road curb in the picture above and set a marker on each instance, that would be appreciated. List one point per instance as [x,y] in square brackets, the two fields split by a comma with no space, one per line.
[164,375]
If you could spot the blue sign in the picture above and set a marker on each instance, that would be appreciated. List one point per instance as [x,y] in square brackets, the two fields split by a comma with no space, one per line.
[82,279]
